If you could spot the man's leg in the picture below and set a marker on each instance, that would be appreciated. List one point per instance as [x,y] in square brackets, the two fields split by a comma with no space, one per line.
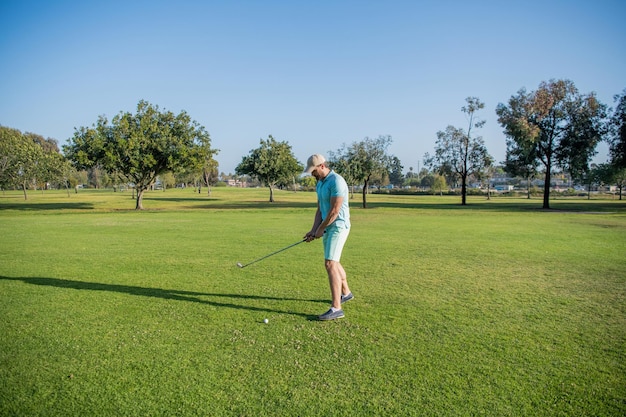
[335,279]
[334,240]
[345,290]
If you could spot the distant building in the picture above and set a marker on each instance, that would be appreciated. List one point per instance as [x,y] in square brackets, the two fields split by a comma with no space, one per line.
[503,188]
[237,183]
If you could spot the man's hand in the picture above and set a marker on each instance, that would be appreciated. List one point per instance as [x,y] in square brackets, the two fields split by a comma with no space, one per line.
[310,236]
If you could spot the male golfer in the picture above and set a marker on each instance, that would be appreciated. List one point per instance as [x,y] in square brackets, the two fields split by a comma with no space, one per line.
[332,224]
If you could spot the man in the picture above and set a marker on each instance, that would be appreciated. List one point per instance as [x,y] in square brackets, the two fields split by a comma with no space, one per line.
[332,224]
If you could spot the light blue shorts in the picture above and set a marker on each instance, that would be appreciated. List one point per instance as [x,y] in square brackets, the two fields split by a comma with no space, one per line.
[334,239]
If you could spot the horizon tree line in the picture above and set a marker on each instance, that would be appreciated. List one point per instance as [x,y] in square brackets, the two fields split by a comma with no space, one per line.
[552,128]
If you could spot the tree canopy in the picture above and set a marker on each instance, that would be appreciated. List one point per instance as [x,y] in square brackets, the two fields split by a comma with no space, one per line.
[139,147]
[29,159]
[617,138]
[458,154]
[521,161]
[556,125]
[396,177]
[359,162]
[271,163]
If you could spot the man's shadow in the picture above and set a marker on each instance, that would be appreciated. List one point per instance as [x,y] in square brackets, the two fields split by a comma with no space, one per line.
[188,296]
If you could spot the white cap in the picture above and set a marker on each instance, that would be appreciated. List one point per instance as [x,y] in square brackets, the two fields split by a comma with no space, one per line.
[313,161]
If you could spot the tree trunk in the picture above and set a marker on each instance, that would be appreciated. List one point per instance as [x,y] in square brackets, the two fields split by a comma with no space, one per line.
[139,205]
[24,189]
[365,185]
[271,194]
[546,188]
[464,190]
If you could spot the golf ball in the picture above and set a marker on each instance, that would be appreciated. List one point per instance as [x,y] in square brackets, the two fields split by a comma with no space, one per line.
[266,321]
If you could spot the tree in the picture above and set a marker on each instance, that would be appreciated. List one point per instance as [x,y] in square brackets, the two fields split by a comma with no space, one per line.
[270,163]
[362,161]
[167,180]
[521,161]
[619,179]
[55,169]
[76,178]
[22,160]
[139,147]
[555,124]
[339,162]
[49,167]
[609,174]
[10,141]
[439,183]
[617,138]
[428,181]
[485,175]
[69,176]
[48,145]
[458,154]
[210,174]
[396,177]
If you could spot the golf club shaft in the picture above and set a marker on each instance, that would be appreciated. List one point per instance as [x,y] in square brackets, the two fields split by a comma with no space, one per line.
[274,253]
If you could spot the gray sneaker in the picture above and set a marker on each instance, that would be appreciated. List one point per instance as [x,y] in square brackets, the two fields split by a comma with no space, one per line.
[331,315]
[346,298]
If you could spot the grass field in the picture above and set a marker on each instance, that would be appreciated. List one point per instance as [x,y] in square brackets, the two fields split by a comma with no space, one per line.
[497,308]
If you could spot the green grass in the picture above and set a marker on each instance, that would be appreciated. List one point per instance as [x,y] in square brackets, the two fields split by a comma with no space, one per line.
[496,308]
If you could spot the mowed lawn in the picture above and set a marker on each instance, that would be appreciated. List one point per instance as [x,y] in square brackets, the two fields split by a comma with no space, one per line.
[497,308]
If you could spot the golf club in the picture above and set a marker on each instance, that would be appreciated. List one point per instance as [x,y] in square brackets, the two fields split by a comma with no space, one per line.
[271,254]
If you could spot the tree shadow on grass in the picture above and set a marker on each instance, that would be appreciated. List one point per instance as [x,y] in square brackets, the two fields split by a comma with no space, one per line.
[199,199]
[556,206]
[178,295]
[259,205]
[46,206]
[211,203]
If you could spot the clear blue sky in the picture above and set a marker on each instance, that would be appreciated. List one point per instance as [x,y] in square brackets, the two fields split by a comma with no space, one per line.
[314,73]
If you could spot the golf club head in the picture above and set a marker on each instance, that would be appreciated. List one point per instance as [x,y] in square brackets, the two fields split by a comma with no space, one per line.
[239,265]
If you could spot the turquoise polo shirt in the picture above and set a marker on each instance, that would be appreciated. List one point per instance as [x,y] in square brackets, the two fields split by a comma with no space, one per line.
[334,186]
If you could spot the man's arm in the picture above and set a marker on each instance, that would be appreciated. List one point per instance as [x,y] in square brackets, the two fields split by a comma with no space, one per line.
[335,207]
[316,223]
